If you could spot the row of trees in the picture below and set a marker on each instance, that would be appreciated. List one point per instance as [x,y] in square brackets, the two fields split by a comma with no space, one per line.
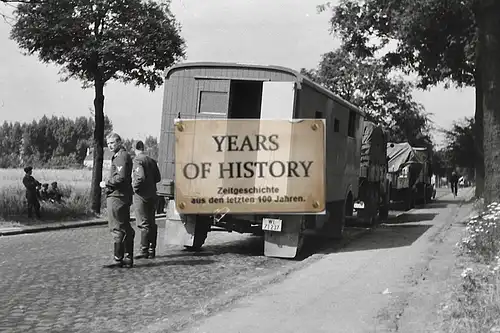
[48,142]
[56,142]
[385,97]
[456,42]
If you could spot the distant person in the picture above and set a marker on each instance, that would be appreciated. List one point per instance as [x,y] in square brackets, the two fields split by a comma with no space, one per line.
[454,183]
[31,184]
[145,175]
[118,200]
[433,183]
[54,194]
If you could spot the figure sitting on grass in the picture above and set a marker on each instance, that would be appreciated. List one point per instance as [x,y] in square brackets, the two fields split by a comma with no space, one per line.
[54,194]
[44,192]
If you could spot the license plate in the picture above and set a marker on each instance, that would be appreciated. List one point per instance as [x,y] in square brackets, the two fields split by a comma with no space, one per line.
[271,224]
[359,205]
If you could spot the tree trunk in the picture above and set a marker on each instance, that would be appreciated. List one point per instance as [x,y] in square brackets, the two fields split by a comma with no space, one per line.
[489,49]
[479,133]
[98,145]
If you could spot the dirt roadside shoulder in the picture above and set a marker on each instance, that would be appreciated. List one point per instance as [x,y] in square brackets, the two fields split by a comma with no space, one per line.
[429,286]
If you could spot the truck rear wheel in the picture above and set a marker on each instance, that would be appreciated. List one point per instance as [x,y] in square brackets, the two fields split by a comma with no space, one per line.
[383,212]
[409,204]
[337,223]
[200,232]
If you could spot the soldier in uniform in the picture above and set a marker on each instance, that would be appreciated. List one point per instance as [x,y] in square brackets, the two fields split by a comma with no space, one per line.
[454,183]
[31,185]
[118,200]
[54,194]
[145,175]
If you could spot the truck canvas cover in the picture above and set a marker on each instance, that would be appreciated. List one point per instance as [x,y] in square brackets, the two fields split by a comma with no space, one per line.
[373,147]
[401,154]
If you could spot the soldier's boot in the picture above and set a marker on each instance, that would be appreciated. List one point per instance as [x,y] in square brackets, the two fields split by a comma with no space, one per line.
[119,254]
[128,258]
[144,246]
[153,236]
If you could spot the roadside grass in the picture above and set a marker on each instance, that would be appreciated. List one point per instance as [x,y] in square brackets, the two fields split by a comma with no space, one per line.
[475,302]
[73,184]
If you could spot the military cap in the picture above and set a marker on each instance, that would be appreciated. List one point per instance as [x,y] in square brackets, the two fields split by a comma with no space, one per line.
[139,145]
[28,169]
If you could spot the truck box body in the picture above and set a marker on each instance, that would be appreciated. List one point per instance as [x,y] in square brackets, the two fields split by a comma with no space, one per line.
[226,90]
[373,163]
[404,164]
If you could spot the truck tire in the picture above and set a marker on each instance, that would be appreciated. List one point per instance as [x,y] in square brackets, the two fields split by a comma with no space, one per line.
[200,233]
[338,219]
[409,204]
[383,212]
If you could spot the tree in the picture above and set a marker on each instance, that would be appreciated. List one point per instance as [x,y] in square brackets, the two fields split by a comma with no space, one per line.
[487,14]
[440,163]
[99,40]
[387,99]
[434,38]
[460,144]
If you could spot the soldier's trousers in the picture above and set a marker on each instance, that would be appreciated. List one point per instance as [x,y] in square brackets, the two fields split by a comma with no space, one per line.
[33,204]
[119,225]
[145,218]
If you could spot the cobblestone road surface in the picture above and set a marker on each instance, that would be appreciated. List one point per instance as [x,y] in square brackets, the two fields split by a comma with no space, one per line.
[60,281]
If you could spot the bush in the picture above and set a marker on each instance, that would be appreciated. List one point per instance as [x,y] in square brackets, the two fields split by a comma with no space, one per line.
[482,240]
[475,306]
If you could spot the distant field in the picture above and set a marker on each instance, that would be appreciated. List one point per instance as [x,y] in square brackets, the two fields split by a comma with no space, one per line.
[77,178]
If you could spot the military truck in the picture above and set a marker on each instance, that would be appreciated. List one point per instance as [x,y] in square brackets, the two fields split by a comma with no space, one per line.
[374,186]
[410,174]
[204,90]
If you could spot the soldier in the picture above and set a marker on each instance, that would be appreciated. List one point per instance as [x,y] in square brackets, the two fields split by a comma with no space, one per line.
[145,175]
[43,193]
[31,185]
[54,194]
[454,183]
[118,200]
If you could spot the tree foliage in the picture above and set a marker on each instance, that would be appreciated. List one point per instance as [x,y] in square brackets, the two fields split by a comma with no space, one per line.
[99,40]
[436,39]
[56,142]
[127,40]
[387,99]
[460,144]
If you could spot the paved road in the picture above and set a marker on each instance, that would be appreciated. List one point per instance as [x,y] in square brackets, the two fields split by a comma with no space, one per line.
[390,280]
[59,281]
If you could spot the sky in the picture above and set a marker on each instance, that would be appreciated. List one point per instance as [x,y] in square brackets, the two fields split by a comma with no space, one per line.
[287,33]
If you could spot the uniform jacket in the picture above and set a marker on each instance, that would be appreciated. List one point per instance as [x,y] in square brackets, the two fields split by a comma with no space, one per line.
[119,183]
[31,184]
[145,175]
